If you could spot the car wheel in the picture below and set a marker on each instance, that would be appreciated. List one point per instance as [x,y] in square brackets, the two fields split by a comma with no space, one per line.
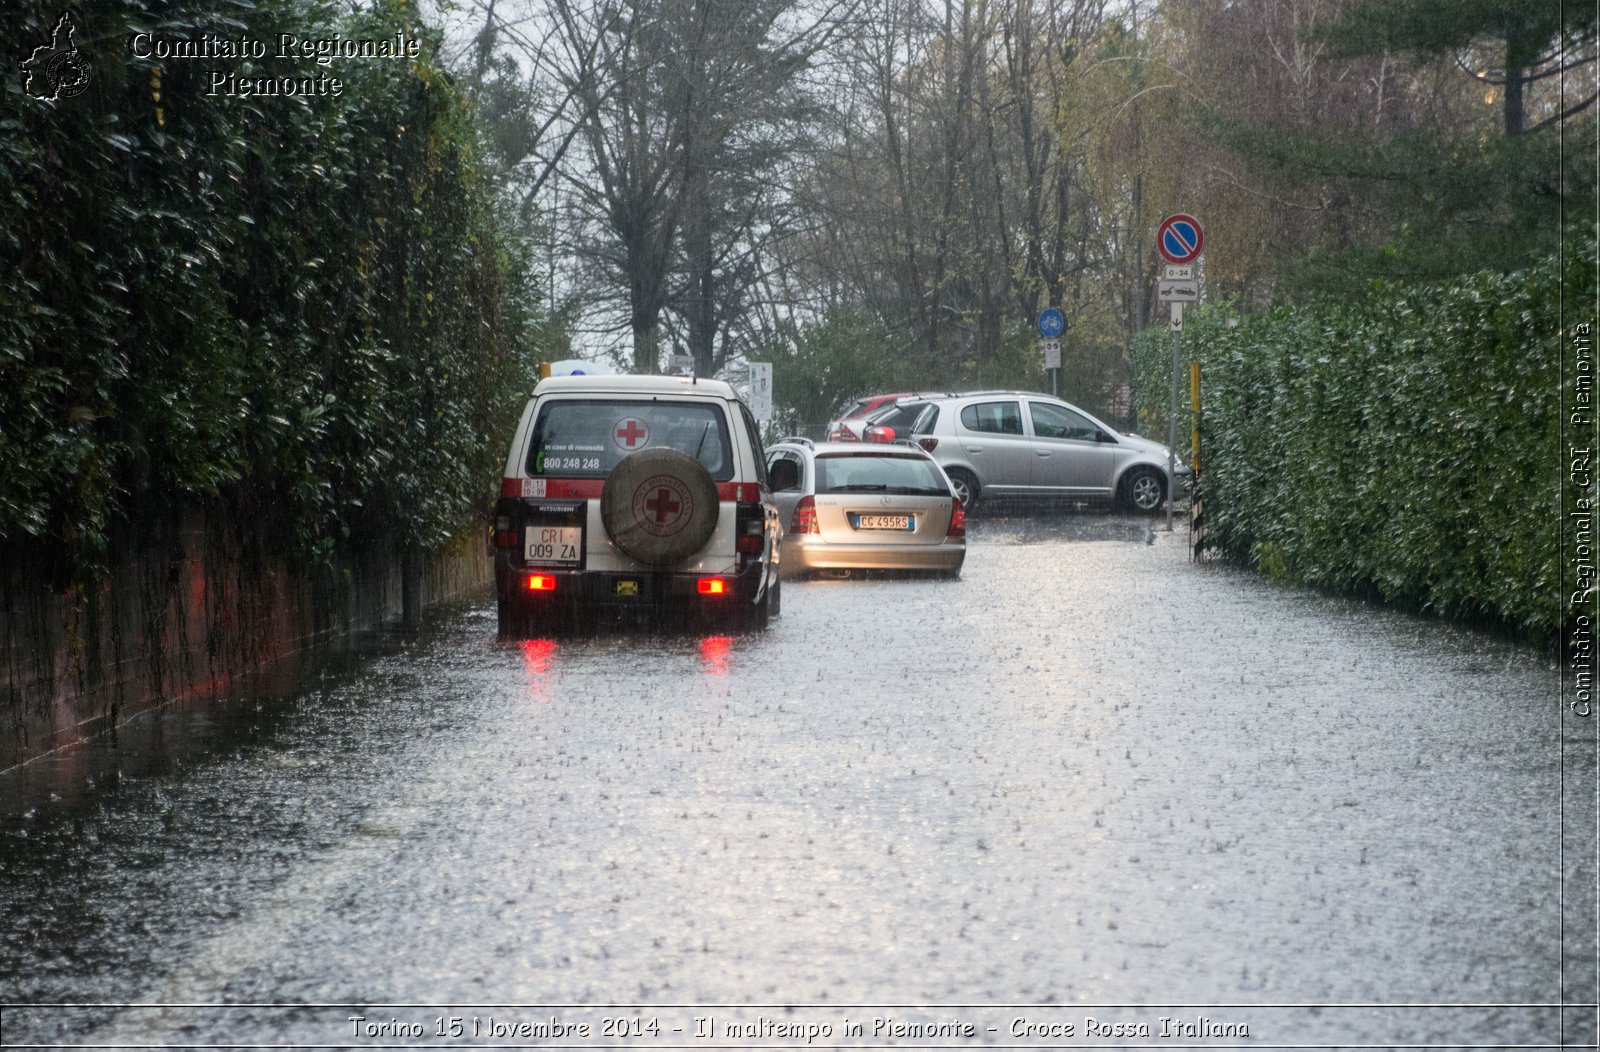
[659,506]
[1142,490]
[966,487]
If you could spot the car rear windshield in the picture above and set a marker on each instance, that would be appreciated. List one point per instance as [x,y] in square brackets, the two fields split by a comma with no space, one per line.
[879,473]
[586,437]
[907,418]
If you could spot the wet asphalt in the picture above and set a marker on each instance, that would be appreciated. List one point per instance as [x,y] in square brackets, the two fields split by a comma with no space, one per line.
[1089,780]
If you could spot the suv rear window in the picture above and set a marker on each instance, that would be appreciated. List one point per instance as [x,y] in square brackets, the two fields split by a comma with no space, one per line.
[586,437]
[879,473]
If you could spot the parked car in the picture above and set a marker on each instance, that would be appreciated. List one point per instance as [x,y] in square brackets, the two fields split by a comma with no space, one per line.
[887,423]
[1024,444]
[642,495]
[855,411]
[851,425]
[856,506]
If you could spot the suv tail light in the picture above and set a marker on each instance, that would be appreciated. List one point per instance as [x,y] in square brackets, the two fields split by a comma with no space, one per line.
[958,519]
[875,433]
[504,536]
[847,435]
[750,526]
[805,516]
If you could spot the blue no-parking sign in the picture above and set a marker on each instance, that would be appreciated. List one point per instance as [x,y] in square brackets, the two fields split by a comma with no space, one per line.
[1051,323]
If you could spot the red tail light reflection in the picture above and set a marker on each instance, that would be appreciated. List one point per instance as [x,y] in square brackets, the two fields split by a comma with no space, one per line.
[716,652]
[537,655]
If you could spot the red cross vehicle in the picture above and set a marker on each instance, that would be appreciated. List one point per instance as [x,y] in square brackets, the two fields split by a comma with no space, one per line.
[664,509]
[632,434]
[635,498]
[662,506]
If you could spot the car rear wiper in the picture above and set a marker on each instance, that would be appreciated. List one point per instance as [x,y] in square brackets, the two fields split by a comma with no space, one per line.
[860,487]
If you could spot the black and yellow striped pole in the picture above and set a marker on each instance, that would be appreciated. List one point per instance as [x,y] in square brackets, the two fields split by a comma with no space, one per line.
[1197,515]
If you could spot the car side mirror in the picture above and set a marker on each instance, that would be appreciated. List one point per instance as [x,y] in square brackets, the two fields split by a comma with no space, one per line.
[783,475]
[1101,436]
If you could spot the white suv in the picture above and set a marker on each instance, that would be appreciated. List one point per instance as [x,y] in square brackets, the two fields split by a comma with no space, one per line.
[641,495]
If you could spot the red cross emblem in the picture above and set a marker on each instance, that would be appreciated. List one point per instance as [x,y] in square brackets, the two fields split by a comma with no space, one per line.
[631,434]
[662,505]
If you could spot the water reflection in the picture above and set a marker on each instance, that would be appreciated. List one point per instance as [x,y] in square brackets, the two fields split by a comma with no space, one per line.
[1019,523]
[715,653]
[537,656]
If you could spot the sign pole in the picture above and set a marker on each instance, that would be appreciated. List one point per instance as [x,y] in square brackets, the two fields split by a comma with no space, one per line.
[1197,514]
[1051,324]
[1172,428]
[1180,240]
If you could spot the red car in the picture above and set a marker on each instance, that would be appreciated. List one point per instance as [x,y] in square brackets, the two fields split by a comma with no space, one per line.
[852,423]
[838,432]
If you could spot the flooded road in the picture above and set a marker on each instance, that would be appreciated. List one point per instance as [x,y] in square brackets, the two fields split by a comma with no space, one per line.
[1087,785]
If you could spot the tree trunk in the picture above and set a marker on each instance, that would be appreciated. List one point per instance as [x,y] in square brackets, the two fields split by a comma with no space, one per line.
[1518,54]
[411,567]
[646,356]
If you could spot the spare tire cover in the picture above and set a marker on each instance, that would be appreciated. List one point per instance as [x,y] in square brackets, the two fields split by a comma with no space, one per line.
[659,506]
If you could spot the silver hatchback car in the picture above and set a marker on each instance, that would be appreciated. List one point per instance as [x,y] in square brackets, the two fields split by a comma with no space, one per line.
[1023,444]
[864,506]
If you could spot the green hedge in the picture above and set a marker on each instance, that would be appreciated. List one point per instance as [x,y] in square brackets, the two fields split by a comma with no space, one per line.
[1406,446]
[302,308]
